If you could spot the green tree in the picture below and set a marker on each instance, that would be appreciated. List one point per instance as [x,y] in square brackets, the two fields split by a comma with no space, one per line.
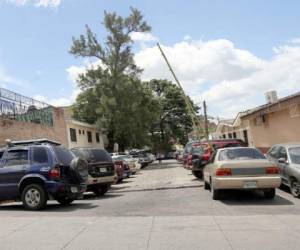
[174,122]
[113,96]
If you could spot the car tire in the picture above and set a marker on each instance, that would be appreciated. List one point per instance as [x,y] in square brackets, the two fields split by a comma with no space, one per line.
[270,193]
[295,188]
[206,186]
[101,190]
[215,192]
[198,174]
[34,197]
[79,171]
[64,200]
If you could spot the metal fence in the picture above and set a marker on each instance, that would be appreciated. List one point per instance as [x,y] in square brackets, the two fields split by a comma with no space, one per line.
[22,108]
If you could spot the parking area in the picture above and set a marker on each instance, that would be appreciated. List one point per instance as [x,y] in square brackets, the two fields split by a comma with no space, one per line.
[162,207]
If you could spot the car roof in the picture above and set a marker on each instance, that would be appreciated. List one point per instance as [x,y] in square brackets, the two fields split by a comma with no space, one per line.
[35,142]
[288,144]
[87,148]
[234,148]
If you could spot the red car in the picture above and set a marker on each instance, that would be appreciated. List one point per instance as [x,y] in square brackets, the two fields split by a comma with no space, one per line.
[199,160]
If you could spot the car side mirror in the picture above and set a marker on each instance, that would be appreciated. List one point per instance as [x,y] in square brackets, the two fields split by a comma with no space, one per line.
[282,161]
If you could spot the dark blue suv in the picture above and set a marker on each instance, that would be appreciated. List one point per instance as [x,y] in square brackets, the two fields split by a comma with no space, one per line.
[36,171]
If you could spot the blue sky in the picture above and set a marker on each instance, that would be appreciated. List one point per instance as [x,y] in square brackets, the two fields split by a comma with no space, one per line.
[255,37]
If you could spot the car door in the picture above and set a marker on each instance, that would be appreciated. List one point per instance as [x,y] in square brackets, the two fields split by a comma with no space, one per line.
[282,154]
[13,167]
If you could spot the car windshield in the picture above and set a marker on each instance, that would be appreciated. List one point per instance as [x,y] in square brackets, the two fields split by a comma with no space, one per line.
[240,154]
[64,156]
[197,150]
[295,155]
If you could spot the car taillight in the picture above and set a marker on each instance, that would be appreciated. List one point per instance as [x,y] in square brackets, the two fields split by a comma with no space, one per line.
[206,157]
[54,173]
[223,172]
[272,170]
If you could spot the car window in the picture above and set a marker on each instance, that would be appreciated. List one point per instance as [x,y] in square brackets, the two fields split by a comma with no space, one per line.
[196,150]
[40,155]
[16,157]
[1,153]
[240,154]
[100,155]
[274,152]
[295,155]
[282,153]
[63,155]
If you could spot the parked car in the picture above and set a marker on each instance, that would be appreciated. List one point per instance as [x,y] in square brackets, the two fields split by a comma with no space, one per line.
[38,170]
[101,169]
[133,163]
[144,160]
[241,168]
[186,153]
[287,158]
[120,170]
[1,152]
[197,159]
[121,162]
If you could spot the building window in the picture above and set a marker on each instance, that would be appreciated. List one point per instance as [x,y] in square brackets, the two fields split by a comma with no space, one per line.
[234,134]
[97,137]
[83,132]
[230,135]
[224,136]
[73,135]
[79,131]
[89,136]
[245,133]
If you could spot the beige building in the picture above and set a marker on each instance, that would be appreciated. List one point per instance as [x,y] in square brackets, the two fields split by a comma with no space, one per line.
[275,122]
[23,118]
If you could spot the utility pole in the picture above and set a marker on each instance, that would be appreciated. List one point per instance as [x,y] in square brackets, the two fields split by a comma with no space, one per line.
[205,120]
[195,120]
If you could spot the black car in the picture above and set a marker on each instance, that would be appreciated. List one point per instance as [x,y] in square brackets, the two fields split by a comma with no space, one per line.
[101,168]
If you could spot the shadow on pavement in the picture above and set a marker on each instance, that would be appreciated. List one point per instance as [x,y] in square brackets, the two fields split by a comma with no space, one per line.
[158,189]
[49,208]
[243,197]
[91,196]
[162,166]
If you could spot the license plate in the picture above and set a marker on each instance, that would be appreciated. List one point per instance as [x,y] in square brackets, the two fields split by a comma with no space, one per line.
[250,184]
[74,189]
[103,170]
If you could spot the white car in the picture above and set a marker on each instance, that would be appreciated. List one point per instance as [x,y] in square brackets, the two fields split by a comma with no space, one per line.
[133,163]
[241,168]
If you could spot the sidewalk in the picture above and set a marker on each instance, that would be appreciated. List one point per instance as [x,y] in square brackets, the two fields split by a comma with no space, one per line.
[190,232]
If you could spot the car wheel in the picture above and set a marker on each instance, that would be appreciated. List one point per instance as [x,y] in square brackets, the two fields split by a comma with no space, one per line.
[295,188]
[34,197]
[206,186]
[198,174]
[79,171]
[101,190]
[65,200]
[270,193]
[215,192]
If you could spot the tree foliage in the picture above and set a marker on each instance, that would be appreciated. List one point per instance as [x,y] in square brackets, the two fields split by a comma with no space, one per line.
[113,96]
[133,113]
[173,121]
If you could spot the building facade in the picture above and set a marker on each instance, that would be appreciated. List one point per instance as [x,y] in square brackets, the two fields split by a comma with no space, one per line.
[275,122]
[23,118]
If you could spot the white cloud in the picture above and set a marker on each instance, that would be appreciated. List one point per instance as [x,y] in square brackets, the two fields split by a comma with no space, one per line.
[37,3]
[6,79]
[143,37]
[60,101]
[228,78]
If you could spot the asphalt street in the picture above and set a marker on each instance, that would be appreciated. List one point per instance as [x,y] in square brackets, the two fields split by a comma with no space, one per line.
[162,207]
